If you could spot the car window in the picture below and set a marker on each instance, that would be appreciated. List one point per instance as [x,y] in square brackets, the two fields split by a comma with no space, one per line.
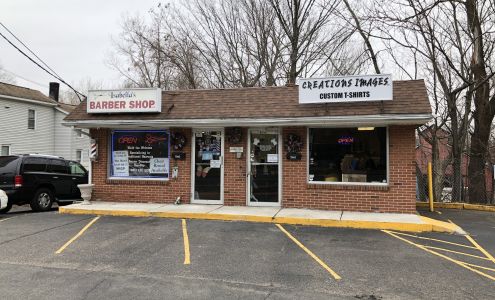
[34,164]
[76,169]
[58,166]
[8,163]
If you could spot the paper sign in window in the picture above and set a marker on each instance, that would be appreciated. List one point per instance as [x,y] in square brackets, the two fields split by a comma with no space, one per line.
[214,163]
[272,158]
[120,163]
[159,165]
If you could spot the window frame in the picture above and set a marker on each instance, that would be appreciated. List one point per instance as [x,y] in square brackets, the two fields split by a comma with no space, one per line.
[341,183]
[110,156]
[80,156]
[9,151]
[34,119]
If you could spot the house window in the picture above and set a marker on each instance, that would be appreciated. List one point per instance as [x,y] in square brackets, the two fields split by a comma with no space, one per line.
[31,119]
[5,150]
[348,155]
[79,155]
[137,154]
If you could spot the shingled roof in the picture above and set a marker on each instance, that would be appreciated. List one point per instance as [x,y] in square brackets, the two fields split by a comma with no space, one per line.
[409,97]
[24,93]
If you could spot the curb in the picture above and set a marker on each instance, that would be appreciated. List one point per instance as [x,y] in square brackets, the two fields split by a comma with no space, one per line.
[429,224]
[466,206]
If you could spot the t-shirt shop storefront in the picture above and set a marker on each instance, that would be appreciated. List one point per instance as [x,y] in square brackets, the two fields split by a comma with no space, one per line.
[339,143]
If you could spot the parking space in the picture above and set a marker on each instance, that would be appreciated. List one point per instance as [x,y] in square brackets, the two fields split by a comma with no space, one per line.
[146,258]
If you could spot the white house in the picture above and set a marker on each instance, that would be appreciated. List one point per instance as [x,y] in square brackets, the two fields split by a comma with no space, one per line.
[31,122]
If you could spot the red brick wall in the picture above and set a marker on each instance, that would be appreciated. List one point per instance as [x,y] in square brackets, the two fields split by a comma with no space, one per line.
[140,191]
[399,196]
[235,173]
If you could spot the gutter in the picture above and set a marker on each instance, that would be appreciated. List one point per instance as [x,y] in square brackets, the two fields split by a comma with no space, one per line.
[28,100]
[391,119]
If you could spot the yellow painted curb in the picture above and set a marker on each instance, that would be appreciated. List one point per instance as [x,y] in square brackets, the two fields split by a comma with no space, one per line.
[428,225]
[212,216]
[440,226]
[355,224]
[103,212]
[456,205]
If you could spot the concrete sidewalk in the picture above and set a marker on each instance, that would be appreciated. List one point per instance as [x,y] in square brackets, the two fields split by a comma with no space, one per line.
[294,216]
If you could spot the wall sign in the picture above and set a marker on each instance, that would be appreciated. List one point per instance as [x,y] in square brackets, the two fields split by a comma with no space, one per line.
[140,154]
[124,101]
[236,149]
[346,89]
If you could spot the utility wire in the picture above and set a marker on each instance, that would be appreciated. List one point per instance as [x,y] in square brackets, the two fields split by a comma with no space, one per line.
[43,68]
[25,46]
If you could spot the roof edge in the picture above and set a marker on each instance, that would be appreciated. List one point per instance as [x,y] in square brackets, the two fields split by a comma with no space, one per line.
[28,100]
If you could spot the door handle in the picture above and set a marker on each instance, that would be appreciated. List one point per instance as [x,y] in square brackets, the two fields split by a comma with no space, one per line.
[55,177]
[74,178]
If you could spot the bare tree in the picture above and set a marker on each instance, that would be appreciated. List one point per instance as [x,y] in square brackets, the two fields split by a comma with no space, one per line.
[84,85]
[441,34]
[305,24]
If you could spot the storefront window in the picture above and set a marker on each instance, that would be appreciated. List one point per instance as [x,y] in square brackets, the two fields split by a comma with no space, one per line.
[140,154]
[348,154]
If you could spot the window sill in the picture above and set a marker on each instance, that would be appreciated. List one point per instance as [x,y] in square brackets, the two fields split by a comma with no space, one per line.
[348,186]
[136,181]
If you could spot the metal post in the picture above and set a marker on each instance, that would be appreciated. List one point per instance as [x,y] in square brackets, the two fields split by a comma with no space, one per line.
[430,186]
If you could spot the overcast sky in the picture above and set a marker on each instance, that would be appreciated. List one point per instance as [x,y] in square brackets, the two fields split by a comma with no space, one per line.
[72,37]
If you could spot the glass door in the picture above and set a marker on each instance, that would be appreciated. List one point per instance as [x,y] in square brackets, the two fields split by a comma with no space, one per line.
[207,162]
[264,167]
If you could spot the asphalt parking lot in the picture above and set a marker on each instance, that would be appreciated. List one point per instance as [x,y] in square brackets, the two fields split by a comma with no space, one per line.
[54,256]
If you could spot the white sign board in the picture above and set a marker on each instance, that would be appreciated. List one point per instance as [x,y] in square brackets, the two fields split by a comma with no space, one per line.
[158,165]
[272,158]
[120,163]
[124,101]
[215,163]
[236,149]
[346,89]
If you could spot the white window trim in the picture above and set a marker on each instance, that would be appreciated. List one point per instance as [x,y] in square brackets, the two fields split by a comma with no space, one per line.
[382,184]
[81,156]
[35,119]
[10,148]
[109,162]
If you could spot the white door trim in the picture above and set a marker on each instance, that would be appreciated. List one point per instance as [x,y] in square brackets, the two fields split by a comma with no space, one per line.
[248,168]
[193,166]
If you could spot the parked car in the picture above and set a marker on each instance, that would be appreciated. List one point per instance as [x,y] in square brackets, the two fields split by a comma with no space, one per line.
[40,180]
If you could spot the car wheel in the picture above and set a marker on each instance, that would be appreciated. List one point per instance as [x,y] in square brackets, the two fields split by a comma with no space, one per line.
[42,201]
[6,209]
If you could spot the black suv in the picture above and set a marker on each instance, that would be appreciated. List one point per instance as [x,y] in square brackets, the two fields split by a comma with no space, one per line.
[40,180]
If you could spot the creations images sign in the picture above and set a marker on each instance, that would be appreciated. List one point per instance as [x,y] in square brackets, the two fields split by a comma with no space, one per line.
[346,89]
[124,101]
[140,154]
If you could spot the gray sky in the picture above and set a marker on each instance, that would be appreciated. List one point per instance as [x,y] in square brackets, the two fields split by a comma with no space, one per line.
[72,37]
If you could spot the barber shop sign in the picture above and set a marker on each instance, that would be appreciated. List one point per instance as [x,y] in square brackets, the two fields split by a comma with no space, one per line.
[124,101]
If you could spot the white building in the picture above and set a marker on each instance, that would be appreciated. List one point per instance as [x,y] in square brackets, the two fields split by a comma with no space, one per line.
[31,122]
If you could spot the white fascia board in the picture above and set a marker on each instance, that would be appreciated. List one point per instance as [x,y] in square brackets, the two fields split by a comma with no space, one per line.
[28,100]
[396,119]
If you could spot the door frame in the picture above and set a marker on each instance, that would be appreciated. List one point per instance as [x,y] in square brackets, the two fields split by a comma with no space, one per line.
[248,169]
[193,165]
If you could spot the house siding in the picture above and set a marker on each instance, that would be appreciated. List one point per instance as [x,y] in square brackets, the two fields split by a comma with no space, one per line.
[14,131]
[49,137]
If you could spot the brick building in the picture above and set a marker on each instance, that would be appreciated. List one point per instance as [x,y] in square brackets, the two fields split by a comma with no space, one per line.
[259,146]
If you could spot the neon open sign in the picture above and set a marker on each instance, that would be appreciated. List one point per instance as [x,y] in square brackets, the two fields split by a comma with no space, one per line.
[345,140]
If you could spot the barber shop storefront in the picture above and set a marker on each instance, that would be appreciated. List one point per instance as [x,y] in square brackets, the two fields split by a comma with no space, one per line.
[339,143]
